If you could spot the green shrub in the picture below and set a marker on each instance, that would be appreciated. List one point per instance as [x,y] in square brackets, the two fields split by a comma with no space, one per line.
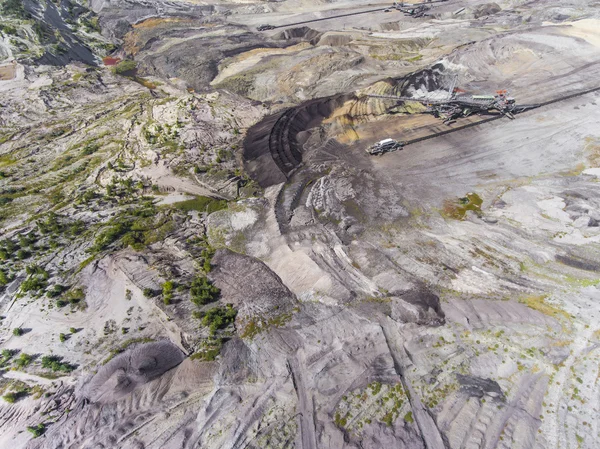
[73,330]
[55,291]
[14,396]
[23,254]
[203,291]
[11,398]
[23,360]
[7,354]
[202,204]
[55,363]
[62,337]
[37,279]
[7,29]
[149,293]
[207,255]
[75,295]
[125,67]
[167,291]
[3,279]
[219,318]
[17,331]
[38,430]
[33,284]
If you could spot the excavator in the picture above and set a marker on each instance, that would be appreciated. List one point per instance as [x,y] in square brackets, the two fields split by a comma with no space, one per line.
[460,104]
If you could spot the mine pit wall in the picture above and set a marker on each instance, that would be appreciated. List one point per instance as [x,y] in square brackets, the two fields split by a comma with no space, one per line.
[273,147]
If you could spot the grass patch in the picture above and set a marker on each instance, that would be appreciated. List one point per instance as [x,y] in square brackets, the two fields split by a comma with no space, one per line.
[538,302]
[125,346]
[255,326]
[202,204]
[126,68]
[457,209]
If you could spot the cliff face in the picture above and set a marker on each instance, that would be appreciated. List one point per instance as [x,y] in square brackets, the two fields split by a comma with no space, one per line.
[197,251]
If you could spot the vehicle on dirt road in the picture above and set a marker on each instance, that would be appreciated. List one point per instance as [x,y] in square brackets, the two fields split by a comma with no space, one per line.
[384,146]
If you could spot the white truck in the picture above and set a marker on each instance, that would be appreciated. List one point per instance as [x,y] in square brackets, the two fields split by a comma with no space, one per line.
[384,146]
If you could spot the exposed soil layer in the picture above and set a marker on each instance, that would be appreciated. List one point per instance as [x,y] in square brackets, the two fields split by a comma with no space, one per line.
[273,147]
[7,72]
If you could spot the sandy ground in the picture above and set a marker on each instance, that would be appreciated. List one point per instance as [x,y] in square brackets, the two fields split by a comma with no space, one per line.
[521,368]
[586,29]
[165,179]
[8,72]
[14,76]
[536,143]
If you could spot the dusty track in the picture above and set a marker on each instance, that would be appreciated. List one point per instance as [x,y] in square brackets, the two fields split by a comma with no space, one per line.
[499,116]
[354,14]
[273,148]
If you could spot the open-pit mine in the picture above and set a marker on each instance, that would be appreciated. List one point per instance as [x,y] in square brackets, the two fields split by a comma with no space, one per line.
[328,224]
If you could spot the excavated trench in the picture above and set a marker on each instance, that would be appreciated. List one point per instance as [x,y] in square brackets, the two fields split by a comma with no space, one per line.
[273,147]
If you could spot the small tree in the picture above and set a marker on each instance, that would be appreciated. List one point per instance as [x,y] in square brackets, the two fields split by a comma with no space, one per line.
[125,67]
[23,360]
[38,430]
[167,291]
[149,293]
[3,279]
[17,331]
[11,398]
[203,291]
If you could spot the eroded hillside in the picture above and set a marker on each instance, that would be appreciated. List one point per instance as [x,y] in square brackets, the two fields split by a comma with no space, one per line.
[197,251]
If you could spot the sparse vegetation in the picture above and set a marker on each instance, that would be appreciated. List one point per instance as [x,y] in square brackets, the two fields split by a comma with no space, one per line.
[55,364]
[38,430]
[137,227]
[125,346]
[202,204]
[74,296]
[167,292]
[203,292]
[457,209]
[539,303]
[218,318]
[255,326]
[23,360]
[126,67]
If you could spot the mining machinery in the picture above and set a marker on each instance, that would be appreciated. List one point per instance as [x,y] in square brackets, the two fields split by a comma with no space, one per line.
[416,10]
[413,10]
[460,104]
[384,146]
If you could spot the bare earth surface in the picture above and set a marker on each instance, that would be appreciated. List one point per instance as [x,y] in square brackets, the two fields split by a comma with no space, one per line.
[197,251]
